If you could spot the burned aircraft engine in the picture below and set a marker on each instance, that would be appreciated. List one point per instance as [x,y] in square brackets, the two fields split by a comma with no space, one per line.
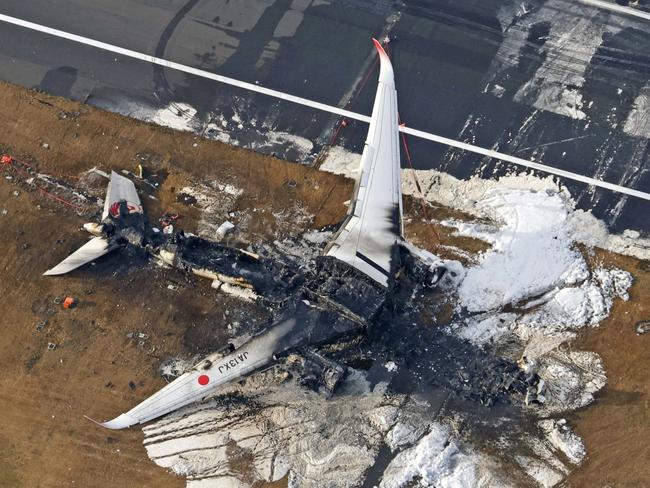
[316,372]
[422,267]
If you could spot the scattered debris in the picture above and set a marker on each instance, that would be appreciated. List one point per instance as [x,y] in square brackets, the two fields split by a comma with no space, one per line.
[186,199]
[224,229]
[168,219]
[137,335]
[642,327]
[57,189]
[390,366]
[172,368]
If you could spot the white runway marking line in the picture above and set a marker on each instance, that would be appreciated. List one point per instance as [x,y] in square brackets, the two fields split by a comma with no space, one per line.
[617,8]
[324,107]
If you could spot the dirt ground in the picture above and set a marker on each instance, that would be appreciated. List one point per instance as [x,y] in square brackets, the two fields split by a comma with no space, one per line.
[95,369]
[616,428]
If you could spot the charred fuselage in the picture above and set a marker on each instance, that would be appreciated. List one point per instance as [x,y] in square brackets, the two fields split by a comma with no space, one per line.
[333,302]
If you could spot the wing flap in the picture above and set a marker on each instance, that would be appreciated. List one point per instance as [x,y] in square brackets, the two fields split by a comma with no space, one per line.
[91,250]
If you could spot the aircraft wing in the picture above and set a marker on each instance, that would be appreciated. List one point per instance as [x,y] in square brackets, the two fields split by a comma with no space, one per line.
[212,372]
[367,238]
[91,250]
[121,188]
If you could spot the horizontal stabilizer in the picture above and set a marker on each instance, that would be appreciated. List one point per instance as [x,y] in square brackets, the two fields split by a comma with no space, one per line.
[91,250]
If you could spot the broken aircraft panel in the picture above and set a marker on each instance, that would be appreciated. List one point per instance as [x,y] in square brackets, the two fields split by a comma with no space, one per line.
[271,279]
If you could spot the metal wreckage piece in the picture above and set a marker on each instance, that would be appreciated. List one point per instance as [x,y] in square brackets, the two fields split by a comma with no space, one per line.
[316,307]
[360,287]
[271,279]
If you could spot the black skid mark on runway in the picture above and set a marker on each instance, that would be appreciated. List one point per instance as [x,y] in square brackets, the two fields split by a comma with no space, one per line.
[616,75]
[163,90]
[242,65]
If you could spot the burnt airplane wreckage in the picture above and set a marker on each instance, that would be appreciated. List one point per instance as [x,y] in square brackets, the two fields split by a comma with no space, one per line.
[358,288]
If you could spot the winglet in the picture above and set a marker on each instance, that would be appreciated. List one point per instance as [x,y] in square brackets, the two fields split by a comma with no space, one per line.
[386,74]
[121,422]
[379,47]
[92,420]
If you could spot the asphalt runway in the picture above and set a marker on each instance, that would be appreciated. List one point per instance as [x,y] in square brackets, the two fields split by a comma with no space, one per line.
[556,81]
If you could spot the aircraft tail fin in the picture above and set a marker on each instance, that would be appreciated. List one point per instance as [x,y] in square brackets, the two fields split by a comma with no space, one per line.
[121,216]
[121,190]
